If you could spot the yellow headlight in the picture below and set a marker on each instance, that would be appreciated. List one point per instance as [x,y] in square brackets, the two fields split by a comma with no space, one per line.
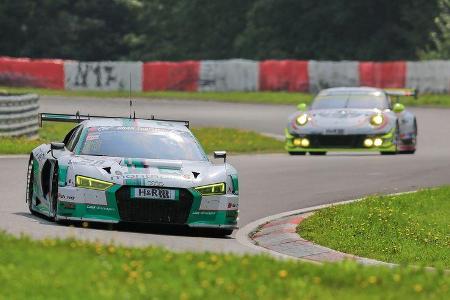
[377,120]
[212,189]
[297,142]
[305,143]
[378,142]
[91,183]
[368,143]
[302,119]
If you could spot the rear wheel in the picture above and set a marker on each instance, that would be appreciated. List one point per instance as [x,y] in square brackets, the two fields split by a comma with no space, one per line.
[297,153]
[413,142]
[318,153]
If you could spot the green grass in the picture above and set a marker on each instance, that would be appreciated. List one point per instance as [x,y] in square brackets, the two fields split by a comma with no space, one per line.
[232,140]
[290,98]
[71,269]
[407,229]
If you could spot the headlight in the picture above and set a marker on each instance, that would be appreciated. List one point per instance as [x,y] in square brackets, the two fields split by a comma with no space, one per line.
[377,120]
[302,119]
[91,183]
[212,189]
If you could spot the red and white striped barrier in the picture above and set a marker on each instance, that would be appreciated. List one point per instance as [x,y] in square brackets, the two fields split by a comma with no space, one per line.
[225,75]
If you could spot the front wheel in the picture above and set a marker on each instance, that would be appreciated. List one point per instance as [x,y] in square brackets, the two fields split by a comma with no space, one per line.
[29,190]
[296,153]
[317,153]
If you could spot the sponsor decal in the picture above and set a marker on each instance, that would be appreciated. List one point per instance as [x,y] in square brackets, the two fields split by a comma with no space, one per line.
[103,208]
[154,193]
[64,197]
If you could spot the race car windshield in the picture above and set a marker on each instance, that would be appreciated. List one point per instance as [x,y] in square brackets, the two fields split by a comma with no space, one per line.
[340,101]
[141,142]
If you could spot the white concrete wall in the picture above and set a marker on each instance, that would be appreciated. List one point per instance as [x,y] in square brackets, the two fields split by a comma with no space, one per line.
[326,74]
[104,75]
[229,75]
[429,76]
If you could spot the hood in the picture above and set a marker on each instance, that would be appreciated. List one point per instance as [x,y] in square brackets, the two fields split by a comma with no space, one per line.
[342,121]
[145,172]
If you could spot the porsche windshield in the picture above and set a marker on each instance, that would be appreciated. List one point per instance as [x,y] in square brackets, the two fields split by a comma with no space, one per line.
[339,101]
[142,142]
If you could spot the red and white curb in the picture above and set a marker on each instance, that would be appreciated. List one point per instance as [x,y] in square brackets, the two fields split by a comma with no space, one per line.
[277,235]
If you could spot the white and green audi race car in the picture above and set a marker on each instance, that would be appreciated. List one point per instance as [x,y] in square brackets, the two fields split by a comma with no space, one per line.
[132,170]
[353,119]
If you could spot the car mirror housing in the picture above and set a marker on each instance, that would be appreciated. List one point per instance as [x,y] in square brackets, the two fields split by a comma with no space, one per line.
[302,107]
[57,146]
[221,154]
[398,108]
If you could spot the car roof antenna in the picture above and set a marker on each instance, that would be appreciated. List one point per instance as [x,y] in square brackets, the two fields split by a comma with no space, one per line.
[131,101]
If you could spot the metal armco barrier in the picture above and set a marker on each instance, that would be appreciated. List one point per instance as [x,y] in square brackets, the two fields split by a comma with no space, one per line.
[19,115]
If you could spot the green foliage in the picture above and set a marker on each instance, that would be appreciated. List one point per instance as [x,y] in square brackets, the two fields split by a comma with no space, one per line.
[440,47]
[408,229]
[232,140]
[218,29]
[74,269]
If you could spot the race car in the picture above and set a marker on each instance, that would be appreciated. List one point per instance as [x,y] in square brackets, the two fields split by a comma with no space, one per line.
[114,170]
[353,119]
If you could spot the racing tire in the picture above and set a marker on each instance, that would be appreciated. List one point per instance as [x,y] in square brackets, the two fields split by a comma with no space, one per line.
[29,188]
[408,152]
[297,153]
[318,153]
[223,232]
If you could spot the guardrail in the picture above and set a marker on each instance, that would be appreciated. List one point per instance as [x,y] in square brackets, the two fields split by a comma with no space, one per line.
[19,115]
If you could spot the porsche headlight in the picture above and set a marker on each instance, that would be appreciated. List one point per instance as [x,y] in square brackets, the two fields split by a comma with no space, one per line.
[376,120]
[212,189]
[302,119]
[91,183]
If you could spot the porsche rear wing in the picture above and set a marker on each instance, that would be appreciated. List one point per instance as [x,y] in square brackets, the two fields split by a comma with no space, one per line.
[402,92]
[77,118]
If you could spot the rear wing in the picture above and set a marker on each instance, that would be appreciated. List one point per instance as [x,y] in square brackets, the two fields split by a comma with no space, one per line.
[77,118]
[402,92]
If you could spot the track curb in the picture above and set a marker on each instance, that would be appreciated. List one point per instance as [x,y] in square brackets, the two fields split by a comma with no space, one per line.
[276,235]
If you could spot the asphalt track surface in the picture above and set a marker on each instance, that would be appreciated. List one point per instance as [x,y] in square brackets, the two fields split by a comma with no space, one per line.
[269,184]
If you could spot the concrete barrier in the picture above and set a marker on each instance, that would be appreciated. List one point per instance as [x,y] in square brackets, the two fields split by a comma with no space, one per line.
[19,115]
[44,73]
[103,75]
[382,74]
[229,75]
[284,75]
[171,76]
[326,74]
[429,76]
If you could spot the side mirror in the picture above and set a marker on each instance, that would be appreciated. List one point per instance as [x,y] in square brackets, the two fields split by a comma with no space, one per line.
[398,108]
[221,154]
[57,146]
[302,107]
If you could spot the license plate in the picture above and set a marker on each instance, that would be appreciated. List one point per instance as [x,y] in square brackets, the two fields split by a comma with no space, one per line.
[154,193]
[334,131]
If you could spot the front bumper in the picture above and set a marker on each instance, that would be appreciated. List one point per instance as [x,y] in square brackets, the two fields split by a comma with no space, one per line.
[340,143]
[117,205]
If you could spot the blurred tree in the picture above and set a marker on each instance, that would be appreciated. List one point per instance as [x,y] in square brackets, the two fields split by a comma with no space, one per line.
[440,45]
[194,29]
[335,30]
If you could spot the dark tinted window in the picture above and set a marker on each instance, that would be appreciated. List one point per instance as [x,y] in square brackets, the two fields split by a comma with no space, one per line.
[370,101]
[142,142]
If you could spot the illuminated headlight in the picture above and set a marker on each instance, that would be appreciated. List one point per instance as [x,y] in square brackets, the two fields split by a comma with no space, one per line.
[368,143]
[91,183]
[212,189]
[378,142]
[302,119]
[297,142]
[377,120]
[305,143]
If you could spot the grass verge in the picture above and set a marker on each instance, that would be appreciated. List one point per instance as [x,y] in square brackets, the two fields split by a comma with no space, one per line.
[71,269]
[232,140]
[407,229]
[441,100]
